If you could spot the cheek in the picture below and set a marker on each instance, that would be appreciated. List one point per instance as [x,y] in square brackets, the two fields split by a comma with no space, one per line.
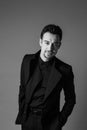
[44,48]
[56,50]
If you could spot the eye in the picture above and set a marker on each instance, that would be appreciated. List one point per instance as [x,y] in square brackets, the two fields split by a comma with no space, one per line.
[56,44]
[46,42]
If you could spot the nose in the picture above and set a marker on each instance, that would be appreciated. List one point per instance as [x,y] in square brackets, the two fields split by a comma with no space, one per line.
[50,47]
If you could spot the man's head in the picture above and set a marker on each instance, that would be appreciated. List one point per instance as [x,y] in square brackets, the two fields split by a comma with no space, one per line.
[50,41]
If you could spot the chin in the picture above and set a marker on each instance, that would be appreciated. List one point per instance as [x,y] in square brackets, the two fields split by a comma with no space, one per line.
[48,57]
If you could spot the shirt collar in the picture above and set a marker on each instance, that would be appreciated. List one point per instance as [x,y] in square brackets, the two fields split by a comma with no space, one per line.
[47,63]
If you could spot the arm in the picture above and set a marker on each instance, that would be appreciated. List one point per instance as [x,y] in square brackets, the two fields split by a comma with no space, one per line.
[21,96]
[70,98]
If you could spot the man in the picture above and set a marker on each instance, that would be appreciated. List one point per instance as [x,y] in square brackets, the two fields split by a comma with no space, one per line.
[43,76]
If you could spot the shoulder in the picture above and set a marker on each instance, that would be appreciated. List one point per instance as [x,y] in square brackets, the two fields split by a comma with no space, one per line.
[27,57]
[63,67]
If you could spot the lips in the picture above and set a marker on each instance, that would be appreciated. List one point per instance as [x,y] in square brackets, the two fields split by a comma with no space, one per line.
[50,52]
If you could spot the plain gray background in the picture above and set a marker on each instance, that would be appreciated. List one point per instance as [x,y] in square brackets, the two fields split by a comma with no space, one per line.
[20,25]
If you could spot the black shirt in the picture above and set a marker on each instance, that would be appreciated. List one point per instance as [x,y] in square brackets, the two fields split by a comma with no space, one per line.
[38,95]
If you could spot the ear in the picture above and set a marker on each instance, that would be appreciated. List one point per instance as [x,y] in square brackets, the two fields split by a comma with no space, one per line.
[40,42]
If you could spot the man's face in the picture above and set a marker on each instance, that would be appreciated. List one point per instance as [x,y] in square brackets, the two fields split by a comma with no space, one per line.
[49,44]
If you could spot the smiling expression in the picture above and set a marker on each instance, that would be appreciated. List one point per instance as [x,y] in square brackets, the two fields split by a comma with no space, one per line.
[50,43]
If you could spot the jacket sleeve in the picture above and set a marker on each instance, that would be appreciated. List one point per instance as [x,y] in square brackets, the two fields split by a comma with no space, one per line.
[70,98]
[21,95]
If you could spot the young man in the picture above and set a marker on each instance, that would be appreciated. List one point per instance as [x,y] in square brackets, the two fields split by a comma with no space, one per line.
[43,76]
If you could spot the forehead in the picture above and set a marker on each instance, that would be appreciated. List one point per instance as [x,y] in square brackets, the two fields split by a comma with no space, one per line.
[50,37]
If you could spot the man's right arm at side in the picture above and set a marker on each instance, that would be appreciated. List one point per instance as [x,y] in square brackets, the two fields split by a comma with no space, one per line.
[21,95]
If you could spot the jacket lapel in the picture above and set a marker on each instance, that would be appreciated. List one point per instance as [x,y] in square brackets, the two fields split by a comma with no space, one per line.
[34,79]
[54,78]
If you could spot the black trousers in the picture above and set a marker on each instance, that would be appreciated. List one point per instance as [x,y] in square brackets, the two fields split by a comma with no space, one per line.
[34,123]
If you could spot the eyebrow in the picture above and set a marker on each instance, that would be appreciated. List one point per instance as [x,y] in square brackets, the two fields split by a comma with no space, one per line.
[49,41]
[46,40]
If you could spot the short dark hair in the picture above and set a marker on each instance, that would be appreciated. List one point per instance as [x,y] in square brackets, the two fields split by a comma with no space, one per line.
[52,28]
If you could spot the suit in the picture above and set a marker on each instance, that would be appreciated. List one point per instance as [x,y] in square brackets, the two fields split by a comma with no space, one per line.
[61,77]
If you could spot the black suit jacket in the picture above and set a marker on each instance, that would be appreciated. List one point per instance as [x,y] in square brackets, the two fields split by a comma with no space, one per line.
[61,77]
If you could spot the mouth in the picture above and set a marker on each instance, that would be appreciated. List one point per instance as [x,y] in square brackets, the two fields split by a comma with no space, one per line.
[50,52]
